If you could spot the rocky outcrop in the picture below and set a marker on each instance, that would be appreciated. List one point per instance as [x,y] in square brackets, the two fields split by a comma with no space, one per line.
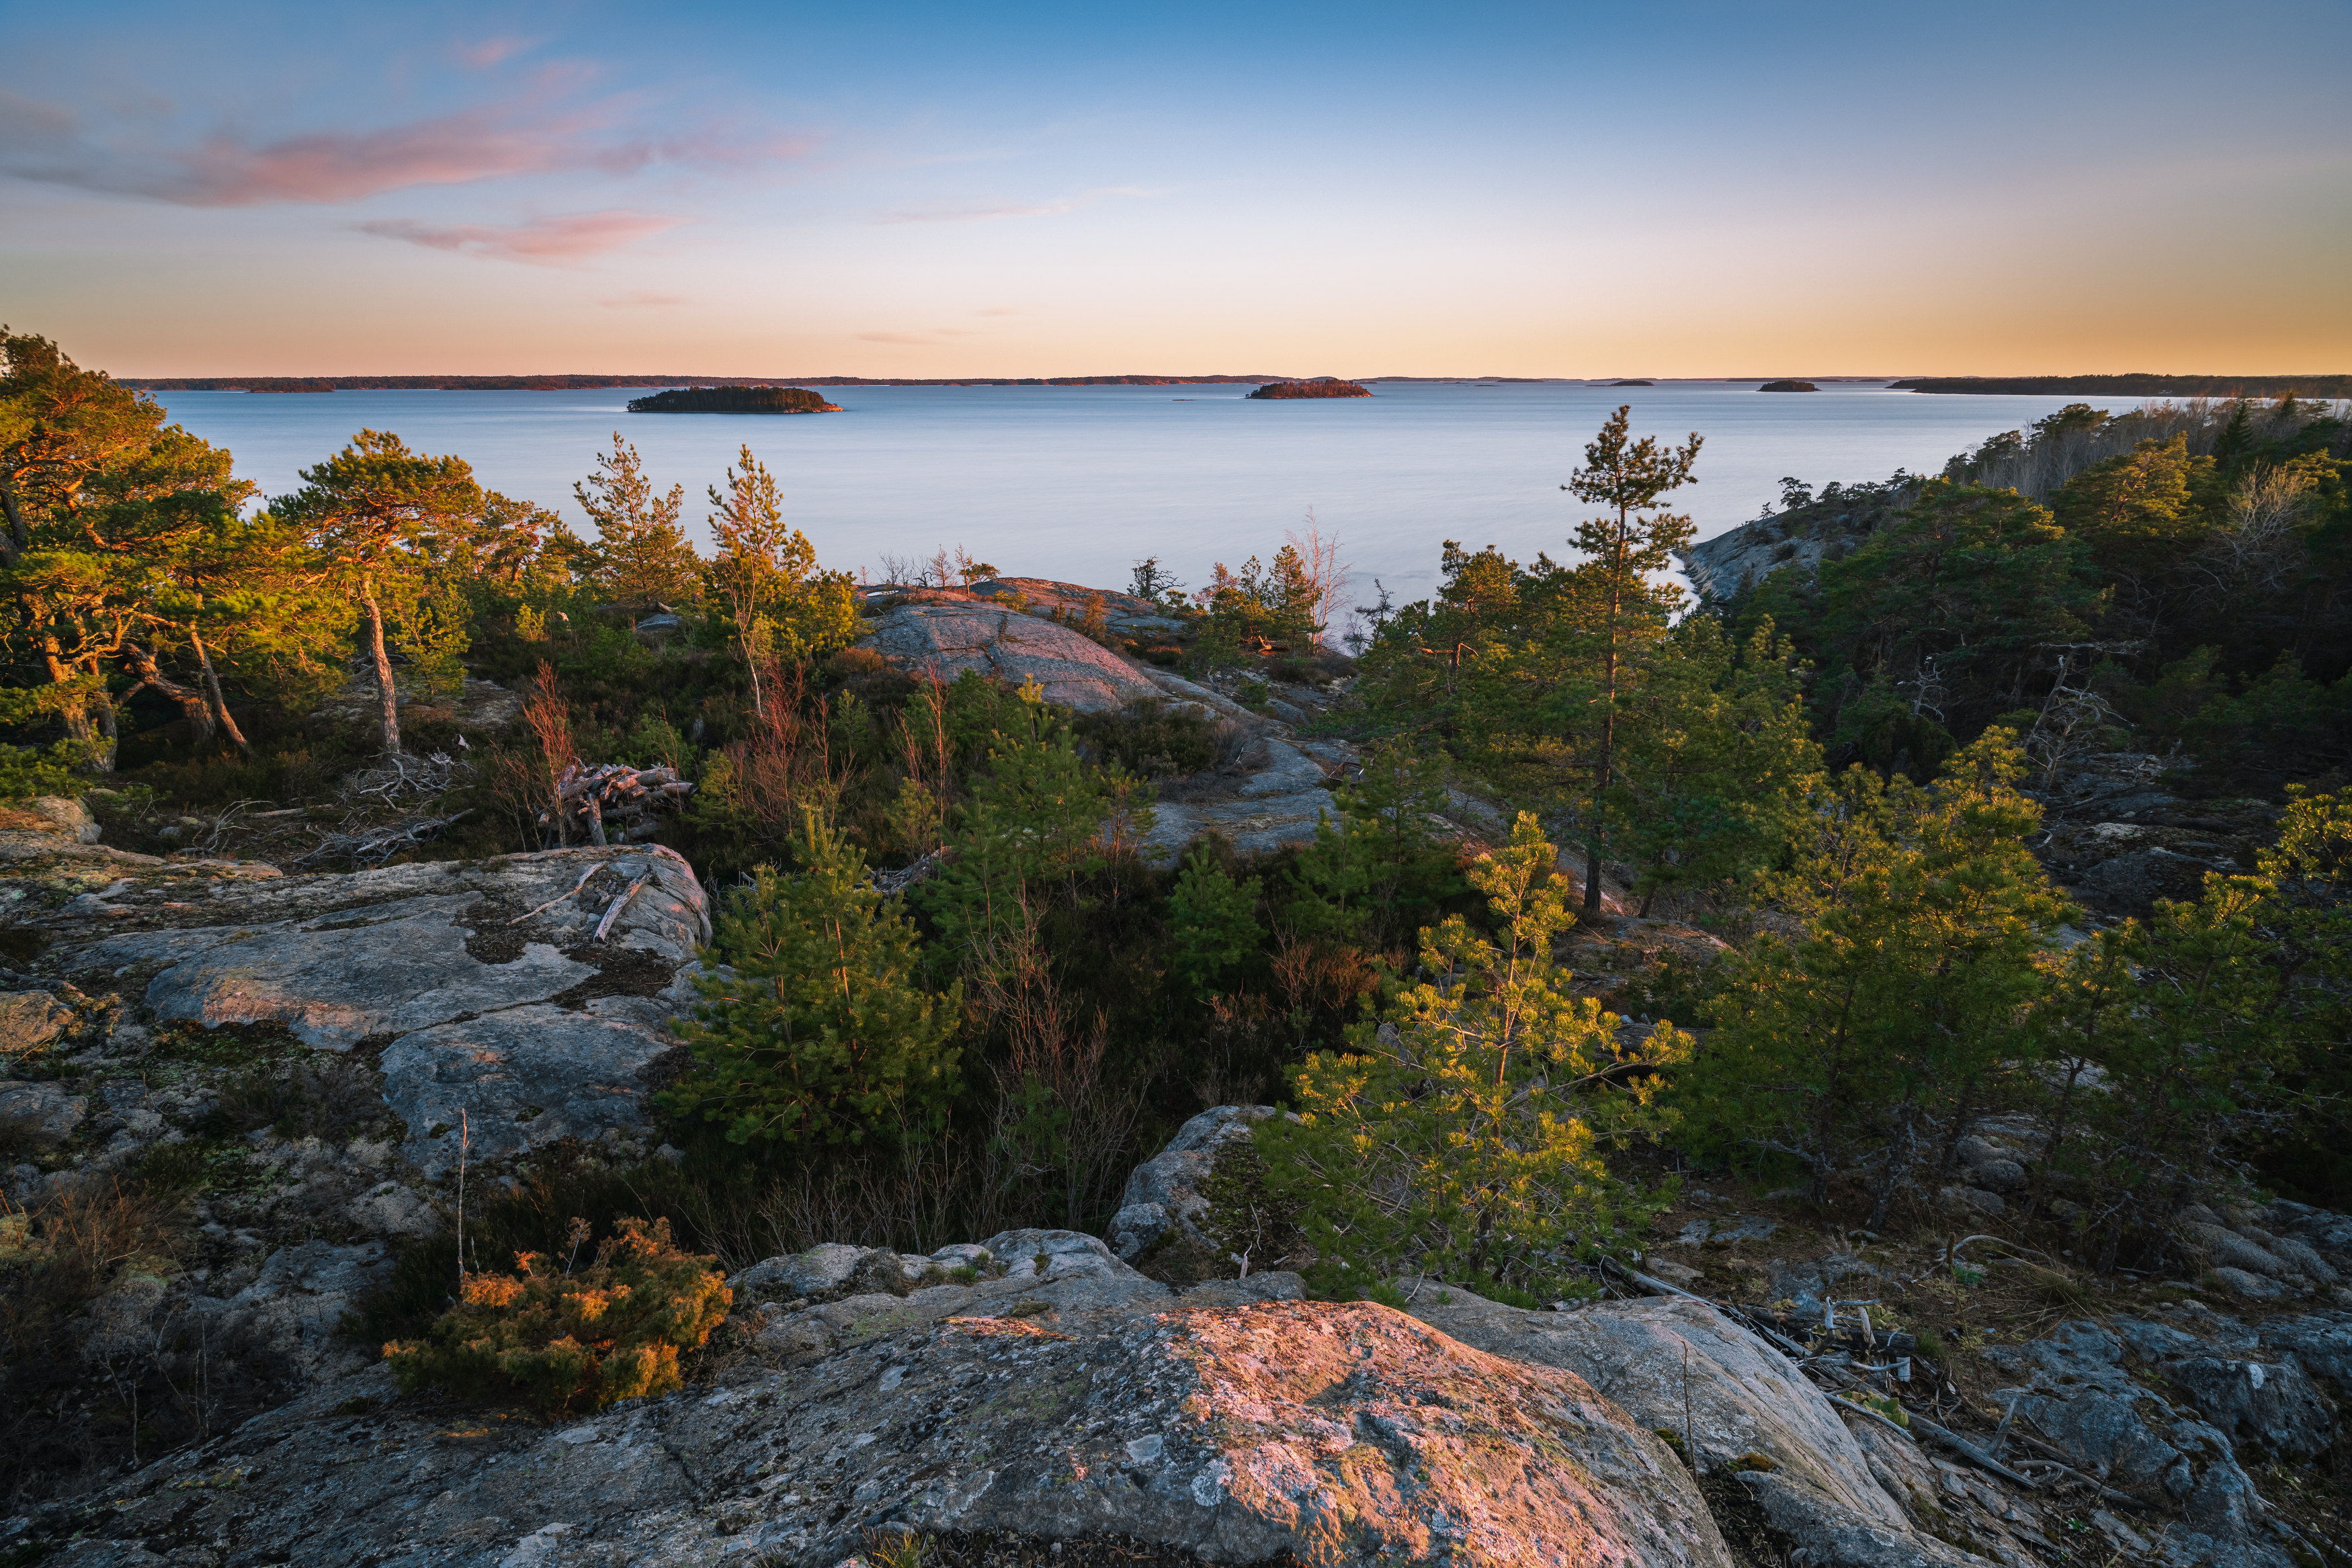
[944,640]
[1124,614]
[1163,1197]
[1680,1366]
[520,1078]
[39,1114]
[339,959]
[2076,1388]
[1234,1428]
[30,1020]
[50,816]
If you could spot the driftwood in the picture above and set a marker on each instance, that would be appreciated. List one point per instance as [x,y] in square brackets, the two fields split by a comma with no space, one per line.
[559,897]
[620,901]
[613,796]
[374,846]
[905,877]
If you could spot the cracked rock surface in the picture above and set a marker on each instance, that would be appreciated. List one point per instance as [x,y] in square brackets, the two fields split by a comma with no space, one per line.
[1341,1434]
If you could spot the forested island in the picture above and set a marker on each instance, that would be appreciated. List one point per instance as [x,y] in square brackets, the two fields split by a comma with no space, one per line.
[733,400]
[1318,386]
[1788,386]
[772,952]
[2137,385]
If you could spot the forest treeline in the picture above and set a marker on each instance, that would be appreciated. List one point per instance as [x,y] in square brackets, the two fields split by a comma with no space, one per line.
[2137,384]
[1840,772]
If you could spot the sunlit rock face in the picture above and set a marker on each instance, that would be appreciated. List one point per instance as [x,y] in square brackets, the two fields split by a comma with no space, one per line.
[1341,1435]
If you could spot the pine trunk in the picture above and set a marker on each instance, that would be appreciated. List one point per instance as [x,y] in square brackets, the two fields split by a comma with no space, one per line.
[220,704]
[385,691]
[90,722]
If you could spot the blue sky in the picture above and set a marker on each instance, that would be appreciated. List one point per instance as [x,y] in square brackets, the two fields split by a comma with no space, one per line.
[1559,190]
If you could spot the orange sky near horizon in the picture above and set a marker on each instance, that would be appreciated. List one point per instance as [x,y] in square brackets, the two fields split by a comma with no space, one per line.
[919,192]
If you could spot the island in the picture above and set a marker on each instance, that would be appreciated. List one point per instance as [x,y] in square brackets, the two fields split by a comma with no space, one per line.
[1635,382]
[1788,386]
[2135,385]
[733,400]
[1317,386]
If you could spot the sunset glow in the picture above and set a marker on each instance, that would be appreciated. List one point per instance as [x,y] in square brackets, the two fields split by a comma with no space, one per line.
[927,191]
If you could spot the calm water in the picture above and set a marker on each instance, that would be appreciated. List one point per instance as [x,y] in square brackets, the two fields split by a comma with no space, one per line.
[1078,483]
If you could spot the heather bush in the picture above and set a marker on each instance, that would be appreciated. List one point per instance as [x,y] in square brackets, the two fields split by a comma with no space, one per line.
[565,1341]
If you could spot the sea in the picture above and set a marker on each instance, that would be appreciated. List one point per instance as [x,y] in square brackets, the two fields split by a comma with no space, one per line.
[1080,483]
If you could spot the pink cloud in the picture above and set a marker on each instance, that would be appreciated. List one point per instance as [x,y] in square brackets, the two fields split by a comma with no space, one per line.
[340,166]
[564,240]
[336,166]
[492,52]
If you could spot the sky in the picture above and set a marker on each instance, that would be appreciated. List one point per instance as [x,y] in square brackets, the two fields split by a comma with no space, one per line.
[1362,189]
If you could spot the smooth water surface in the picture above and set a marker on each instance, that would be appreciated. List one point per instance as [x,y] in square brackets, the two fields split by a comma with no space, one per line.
[1078,483]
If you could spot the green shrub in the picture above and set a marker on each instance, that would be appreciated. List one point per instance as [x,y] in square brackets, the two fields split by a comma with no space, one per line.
[566,1340]
[1150,741]
[26,771]
[812,1027]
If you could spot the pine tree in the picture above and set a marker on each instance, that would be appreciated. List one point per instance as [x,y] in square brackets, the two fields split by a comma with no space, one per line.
[94,489]
[1623,612]
[642,555]
[767,575]
[1463,1137]
[380,513]
[1863,1045]
[1213,923]
[812,1028]
[1717,761]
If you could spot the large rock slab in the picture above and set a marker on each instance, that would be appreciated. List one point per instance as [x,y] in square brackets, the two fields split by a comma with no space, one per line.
[946,639]
[1254,826]
[1126,614]
[339,959]
[1669,1361]
[521,1078]
[1343,1435]
[338,979]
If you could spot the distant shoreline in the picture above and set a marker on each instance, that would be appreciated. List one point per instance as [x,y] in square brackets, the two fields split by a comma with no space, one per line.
[568,382]
[2137,384]
[2132,386]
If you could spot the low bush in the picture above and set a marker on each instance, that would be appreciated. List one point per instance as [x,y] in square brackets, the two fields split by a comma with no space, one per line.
[1151,742]
[566,1340]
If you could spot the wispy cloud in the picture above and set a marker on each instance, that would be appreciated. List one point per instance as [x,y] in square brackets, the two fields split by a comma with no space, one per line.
[639,299]
[491,52]
[565,240]
[999,311]
[225,169]
[916,340]
[1012,209]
